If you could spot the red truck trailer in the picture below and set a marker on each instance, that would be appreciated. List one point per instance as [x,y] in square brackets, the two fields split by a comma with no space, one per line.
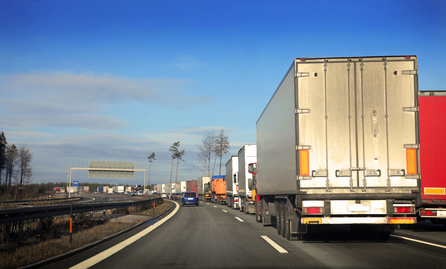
[192,185]
[432,117]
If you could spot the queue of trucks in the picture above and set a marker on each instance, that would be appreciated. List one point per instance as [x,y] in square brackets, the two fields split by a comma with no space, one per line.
[168,189]
[343,140]
[346,141]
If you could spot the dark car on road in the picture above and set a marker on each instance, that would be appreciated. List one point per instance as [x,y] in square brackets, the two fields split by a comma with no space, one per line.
[190,198]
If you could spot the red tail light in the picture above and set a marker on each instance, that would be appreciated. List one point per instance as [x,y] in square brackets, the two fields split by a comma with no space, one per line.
[403,209]
[426,212]
[313,210]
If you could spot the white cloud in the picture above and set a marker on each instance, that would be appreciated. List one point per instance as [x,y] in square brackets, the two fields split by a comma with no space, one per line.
[22,135]
[77,100]
[88,88]
[52,157]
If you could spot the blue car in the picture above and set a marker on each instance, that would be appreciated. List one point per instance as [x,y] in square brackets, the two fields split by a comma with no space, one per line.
[190,198]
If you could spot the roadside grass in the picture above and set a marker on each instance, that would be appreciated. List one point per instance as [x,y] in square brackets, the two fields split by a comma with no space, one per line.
[34,249]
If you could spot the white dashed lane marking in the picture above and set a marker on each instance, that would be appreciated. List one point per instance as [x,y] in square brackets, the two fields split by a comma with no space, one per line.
[274,244]
[239,219]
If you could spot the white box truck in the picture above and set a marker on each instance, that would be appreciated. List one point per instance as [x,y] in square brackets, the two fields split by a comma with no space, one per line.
[246,155]
[183,186]
[203,188]
[232,182]
[338,143]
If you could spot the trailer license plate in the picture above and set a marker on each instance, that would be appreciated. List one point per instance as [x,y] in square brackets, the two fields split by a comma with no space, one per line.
[441,213]
[358,208]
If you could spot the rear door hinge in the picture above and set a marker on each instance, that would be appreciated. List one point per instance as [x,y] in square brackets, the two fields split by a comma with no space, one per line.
[302,110]
[410,109]
[409,72]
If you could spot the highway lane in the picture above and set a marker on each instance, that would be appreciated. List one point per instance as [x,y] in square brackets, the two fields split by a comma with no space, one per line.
[215,236]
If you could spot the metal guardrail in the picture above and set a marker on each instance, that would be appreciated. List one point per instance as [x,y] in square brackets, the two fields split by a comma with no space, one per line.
[41,200]
[21,214]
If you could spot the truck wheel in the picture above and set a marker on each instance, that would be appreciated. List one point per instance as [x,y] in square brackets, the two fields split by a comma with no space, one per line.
[285,227]
[246,206]
[241,203]
[279,218]
[258,216]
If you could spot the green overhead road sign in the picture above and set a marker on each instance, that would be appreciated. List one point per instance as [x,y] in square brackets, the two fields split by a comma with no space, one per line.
[104,169]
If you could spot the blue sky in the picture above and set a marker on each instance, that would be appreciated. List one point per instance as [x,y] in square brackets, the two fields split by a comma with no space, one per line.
[117,80]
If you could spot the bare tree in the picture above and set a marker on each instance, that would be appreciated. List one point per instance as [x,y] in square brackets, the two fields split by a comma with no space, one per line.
[221,146]
[205,151]
[151,159]
[24,158]
[2,155]
[11,161]
[174,150]
[179,157]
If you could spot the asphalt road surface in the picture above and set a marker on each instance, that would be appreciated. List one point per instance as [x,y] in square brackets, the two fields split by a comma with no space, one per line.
[215,236]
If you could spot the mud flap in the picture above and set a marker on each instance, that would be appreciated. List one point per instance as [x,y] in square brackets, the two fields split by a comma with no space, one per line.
[251,209]
[294,226]
[266,220]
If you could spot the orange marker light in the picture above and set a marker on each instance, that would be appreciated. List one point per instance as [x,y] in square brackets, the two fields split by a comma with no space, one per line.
[411,161]
[304,164]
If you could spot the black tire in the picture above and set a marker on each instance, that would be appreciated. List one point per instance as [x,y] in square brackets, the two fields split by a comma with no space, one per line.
[258,210]
[287,231]
[279,218]
[284,220]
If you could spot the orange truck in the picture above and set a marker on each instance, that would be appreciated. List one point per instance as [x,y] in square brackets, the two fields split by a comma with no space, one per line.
[218,184]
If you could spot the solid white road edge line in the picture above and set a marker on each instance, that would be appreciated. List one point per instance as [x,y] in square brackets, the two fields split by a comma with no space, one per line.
[107,253]
[274,244]
[239,219]
[419,241]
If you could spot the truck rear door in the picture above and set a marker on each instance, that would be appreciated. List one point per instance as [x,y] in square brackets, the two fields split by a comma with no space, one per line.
[357,121]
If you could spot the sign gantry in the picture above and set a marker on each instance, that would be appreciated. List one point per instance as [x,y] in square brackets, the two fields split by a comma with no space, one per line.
[105,169]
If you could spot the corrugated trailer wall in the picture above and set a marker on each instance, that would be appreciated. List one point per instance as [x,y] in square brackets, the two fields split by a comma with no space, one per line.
[353,121]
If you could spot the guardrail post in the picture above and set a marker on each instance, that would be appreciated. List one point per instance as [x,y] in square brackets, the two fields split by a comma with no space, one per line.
[71,223]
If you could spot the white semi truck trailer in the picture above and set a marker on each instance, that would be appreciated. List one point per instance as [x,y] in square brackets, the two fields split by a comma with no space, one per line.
[338,143]
[232,182]
[246,155]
